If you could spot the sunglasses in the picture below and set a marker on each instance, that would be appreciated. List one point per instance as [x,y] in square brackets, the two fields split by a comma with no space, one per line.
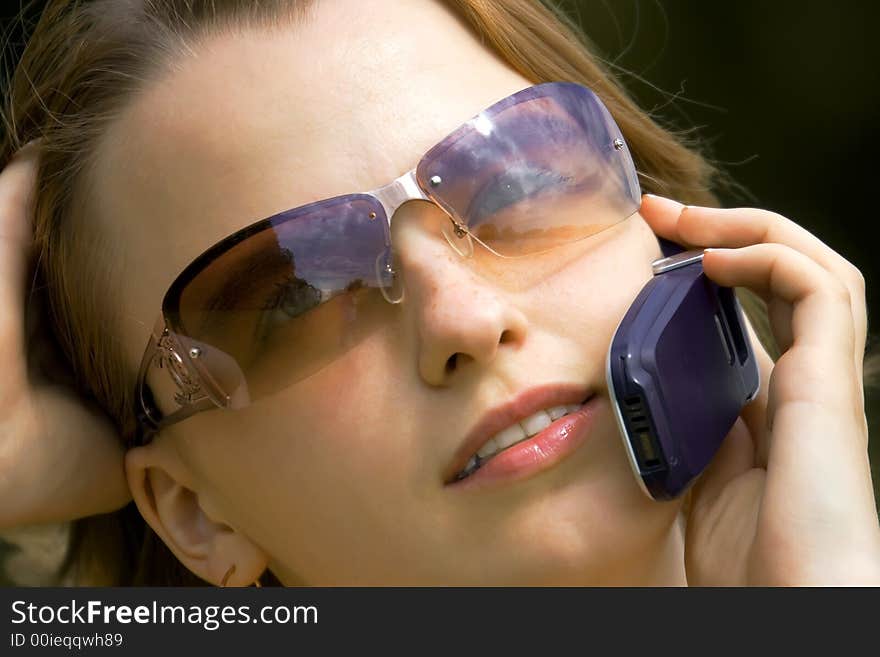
[278,300]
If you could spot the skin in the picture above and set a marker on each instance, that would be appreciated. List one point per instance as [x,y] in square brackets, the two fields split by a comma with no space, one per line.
[324,490]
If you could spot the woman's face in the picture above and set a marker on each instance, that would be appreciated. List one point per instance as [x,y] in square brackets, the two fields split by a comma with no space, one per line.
[339,478]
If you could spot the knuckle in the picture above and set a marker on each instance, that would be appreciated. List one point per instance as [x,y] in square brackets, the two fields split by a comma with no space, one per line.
[832,285]
[836,289]
[775,217]
[781,254]
[770,219]
[855,277]
[771,249]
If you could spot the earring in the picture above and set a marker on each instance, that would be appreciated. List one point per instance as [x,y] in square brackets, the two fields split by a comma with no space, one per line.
[229,574]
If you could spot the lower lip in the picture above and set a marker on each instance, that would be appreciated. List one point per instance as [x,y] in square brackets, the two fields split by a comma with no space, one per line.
[540,452]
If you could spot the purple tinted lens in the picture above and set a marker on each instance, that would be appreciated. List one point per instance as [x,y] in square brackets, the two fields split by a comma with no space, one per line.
[273,304]
[544,167]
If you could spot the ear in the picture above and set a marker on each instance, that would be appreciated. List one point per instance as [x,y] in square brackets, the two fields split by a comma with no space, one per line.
[163,492]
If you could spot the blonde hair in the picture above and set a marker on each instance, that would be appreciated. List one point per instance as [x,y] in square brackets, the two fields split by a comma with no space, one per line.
[87,59]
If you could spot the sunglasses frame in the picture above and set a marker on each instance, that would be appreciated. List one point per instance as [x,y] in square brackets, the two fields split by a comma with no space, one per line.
[163,351]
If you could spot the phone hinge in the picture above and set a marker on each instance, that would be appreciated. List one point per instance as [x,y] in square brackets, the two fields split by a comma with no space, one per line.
[676,261]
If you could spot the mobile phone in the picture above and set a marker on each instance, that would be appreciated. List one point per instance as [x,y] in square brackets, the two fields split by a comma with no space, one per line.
[680,368]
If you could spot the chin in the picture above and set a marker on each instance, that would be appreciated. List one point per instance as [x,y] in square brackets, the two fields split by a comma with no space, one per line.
[593,526]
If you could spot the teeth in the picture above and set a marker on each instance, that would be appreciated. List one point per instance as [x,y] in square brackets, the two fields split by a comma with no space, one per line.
[489,448]
[514,434]
[537,422]
[557,412]
[509,436]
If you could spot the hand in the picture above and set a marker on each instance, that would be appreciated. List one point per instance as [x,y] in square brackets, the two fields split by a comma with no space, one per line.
[788,498]
[60,457]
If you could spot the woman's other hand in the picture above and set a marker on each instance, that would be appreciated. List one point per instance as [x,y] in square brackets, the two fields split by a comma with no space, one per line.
[60,457]
[788,498]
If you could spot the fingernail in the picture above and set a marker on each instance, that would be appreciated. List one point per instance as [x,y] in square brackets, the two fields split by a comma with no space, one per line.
[664,200]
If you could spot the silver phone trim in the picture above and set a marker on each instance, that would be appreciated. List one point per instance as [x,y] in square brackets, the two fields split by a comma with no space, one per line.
[624,435]
[676,261]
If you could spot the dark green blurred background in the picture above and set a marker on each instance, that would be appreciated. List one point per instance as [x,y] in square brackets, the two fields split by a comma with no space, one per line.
[785,95]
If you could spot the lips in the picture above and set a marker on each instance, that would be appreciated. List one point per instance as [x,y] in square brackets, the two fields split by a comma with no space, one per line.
[519,408]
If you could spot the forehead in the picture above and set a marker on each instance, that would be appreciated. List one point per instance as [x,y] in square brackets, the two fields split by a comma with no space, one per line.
[259,121]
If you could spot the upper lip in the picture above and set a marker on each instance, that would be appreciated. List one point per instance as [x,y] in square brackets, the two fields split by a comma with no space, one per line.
[525,404]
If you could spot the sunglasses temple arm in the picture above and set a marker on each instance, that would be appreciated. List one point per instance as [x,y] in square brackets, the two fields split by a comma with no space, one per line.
[150,419]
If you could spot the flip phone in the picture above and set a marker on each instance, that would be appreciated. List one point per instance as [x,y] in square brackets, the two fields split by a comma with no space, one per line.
[680,368]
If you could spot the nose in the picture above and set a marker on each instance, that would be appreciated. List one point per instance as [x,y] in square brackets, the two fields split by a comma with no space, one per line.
[460,317]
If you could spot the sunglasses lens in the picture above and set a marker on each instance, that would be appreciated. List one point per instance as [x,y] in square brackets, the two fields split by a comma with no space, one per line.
[280,300]
[544,167]
[285,299]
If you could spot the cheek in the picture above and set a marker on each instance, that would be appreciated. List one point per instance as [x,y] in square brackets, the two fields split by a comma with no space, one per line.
[343,453]
[585,300]
[313,461]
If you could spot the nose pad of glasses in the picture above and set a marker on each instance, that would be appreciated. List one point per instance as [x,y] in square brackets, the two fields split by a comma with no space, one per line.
[389,277]
[458,237]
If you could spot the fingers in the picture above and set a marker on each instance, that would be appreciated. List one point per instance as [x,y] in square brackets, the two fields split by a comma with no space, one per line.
[16,193]
[17,183]
[63,461]
[815,302]
[734,228]
[816,489]
[820,313]
[815,332]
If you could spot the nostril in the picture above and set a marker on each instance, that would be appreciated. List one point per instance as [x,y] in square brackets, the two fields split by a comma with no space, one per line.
[455,360]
